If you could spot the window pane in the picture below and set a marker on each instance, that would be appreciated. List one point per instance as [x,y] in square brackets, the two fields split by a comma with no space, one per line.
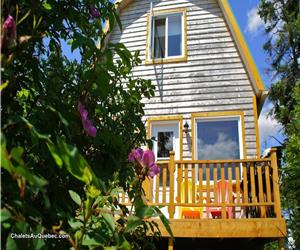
[164,144]
[218,140]
[174,35]
[159,37]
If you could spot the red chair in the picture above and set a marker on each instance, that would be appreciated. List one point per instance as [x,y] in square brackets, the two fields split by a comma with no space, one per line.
[216,212]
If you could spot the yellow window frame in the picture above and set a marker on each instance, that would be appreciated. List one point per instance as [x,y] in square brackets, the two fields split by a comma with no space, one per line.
[182,58]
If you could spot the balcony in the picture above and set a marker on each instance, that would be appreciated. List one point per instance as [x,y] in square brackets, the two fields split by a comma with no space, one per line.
[219,198]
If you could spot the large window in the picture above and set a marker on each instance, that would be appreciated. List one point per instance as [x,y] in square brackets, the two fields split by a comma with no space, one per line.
[167,36]
[218,139]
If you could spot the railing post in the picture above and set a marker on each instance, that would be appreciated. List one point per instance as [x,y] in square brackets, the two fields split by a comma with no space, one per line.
[275,182]
[146,187]
[171,172]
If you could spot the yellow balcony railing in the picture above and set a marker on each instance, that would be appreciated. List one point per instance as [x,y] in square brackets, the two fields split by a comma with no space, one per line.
[226,189]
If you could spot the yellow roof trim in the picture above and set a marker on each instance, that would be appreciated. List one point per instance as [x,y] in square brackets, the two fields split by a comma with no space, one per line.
[252,70]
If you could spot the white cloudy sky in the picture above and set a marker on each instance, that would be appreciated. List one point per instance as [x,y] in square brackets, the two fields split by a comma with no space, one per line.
[223,148]
[255,24]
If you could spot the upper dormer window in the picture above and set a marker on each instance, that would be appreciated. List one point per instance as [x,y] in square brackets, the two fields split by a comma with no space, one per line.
[167,40]
[167,36]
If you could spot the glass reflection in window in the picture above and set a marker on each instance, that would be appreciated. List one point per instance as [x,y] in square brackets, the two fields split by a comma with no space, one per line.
[164,144]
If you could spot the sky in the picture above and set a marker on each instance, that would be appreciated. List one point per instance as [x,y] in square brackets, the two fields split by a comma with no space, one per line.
[252,27]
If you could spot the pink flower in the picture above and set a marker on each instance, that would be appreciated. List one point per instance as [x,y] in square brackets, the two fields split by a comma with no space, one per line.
[88,126]
[135,155]
[148,157]
[153,170]
[10,31]
[144,159]
[94,12]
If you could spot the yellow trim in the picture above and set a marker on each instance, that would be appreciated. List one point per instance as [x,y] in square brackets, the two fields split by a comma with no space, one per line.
[261,101]
[217,114]
[148,31]
[256,127]
[242,45]
[168,118]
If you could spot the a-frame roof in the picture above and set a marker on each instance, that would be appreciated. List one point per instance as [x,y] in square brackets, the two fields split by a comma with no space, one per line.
[241,44]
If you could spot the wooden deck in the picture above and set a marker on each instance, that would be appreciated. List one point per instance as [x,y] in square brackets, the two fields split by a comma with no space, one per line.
[220,198]
[223,228]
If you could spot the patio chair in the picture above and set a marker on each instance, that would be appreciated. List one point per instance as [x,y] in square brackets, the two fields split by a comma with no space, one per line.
[189,212]
[216,212]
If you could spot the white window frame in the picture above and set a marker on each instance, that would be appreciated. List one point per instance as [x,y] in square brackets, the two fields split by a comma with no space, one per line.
[176,142]
[221,118]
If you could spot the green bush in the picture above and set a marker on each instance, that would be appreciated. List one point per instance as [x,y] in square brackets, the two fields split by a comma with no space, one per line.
[67,127]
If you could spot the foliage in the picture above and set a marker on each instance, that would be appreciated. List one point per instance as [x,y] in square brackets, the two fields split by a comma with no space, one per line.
[282,19]
[291,184]
[271,246]
[67,128]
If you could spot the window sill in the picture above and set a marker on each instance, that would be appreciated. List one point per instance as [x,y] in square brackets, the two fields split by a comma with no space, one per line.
[166,60]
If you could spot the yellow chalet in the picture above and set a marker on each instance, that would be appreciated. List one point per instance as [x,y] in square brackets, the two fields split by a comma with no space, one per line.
[214,186]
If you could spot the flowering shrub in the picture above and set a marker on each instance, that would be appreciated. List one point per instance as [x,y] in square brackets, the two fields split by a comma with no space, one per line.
[93,11]
[67,126]
[9,33]
[86,122]
[144,163]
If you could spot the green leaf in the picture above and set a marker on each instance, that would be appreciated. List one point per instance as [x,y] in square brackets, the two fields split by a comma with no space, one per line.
[47,6]
[93,192]
[75,224]
[5,215]
[34,132]
[111,19]
[95,240]
[62,119]
[55,154]
[110,248]
[6,225]
[17,153]
[70,42]
[125,245]
[133,222]
[5,162]
[21,169]
[74,162]
[11,244]
[38,243]
[101,200]
[75,197]
[19,227]
[30,177]
[3,85]
[109,219]
[165,221]
[118,20]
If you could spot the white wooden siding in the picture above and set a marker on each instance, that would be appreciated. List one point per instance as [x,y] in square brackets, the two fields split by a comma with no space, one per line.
[213,78]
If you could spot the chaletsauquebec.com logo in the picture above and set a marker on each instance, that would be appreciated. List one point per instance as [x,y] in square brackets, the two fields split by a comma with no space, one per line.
[38,236]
